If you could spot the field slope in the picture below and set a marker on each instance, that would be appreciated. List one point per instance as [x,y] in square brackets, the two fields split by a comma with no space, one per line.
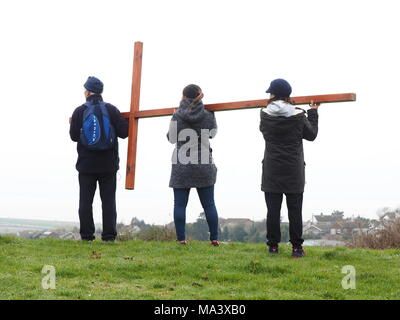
[164,270]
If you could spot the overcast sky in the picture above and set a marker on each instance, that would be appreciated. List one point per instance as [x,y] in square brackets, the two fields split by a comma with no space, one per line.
[232,49]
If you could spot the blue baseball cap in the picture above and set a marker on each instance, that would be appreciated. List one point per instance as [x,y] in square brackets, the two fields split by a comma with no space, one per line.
[93,84]
[280,88]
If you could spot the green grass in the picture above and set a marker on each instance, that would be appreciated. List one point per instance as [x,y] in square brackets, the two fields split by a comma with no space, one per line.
[165,270]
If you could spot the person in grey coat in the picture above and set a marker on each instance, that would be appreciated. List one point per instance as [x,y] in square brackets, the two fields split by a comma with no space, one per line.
[284,127]
[193,166]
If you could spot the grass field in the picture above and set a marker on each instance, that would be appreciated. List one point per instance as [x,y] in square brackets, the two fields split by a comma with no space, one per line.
[165,270]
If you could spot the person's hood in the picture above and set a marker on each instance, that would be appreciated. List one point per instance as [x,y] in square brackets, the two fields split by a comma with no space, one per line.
[281,108]
[191,112]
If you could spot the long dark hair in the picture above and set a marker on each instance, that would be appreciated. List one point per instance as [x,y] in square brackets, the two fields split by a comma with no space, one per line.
[286,99]
[193,91]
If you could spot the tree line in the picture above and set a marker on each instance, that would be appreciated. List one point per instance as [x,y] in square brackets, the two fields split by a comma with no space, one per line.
[197,230]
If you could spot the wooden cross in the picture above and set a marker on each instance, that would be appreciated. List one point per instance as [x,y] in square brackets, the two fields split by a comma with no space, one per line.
[135,114]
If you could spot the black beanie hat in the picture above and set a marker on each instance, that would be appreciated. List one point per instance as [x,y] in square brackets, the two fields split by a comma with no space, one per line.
[191,91]
[94,85]
[280,88]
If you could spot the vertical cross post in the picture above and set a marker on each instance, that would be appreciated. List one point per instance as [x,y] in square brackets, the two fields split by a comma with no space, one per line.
[133,122]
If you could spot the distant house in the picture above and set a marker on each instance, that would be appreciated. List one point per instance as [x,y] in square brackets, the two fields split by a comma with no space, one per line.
[375,225]
[391,215]
[334,226]
[328,219]
[57,234]
[44,235]
[68,235]
[312,230]
[361,230]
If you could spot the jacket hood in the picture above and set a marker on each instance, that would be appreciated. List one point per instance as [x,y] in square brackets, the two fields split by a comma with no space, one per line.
[280,120]
[191,112]
[281,108]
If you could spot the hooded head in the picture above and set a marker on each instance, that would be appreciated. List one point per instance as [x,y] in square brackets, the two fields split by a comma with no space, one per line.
[191,91]
[191,108]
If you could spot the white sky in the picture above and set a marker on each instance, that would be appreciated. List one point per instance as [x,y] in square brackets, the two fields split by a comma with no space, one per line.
[232,49]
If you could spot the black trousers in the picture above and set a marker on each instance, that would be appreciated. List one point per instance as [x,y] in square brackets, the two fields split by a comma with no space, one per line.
[107,186]
[294,202]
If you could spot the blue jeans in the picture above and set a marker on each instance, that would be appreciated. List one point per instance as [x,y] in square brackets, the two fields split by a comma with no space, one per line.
[206,196]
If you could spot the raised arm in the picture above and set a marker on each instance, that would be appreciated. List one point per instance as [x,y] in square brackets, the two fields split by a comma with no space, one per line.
[121,125]
[310,130]
[172,134]
[213,127]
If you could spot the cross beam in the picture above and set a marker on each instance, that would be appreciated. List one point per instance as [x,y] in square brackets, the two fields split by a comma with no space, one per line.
[250,104]
[135,114]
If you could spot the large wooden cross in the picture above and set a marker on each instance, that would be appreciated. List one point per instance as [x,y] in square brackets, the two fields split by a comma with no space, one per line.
[135,114]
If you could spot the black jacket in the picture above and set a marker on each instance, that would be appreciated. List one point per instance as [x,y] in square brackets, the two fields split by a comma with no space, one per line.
[106,161]
[283,164]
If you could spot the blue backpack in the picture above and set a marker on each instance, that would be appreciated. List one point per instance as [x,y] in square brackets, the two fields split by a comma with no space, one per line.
[97,132]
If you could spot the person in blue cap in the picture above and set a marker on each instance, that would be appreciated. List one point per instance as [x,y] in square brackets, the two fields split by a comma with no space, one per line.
[96,126]
[283,172]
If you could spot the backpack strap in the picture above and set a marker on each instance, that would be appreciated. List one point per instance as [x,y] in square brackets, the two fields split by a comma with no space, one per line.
[104,109]
[90,108]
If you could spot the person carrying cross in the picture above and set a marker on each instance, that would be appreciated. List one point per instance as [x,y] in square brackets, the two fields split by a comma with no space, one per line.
[283,171]
[96,126]
[190,129]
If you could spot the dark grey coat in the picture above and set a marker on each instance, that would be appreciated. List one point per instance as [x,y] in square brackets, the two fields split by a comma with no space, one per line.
[192,162]
[283,164]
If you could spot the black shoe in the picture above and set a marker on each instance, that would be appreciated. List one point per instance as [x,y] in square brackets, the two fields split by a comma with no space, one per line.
[273,249]
[298,252]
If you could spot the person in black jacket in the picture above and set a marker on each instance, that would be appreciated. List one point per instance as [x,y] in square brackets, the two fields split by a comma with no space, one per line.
[284,127]
[97,166]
